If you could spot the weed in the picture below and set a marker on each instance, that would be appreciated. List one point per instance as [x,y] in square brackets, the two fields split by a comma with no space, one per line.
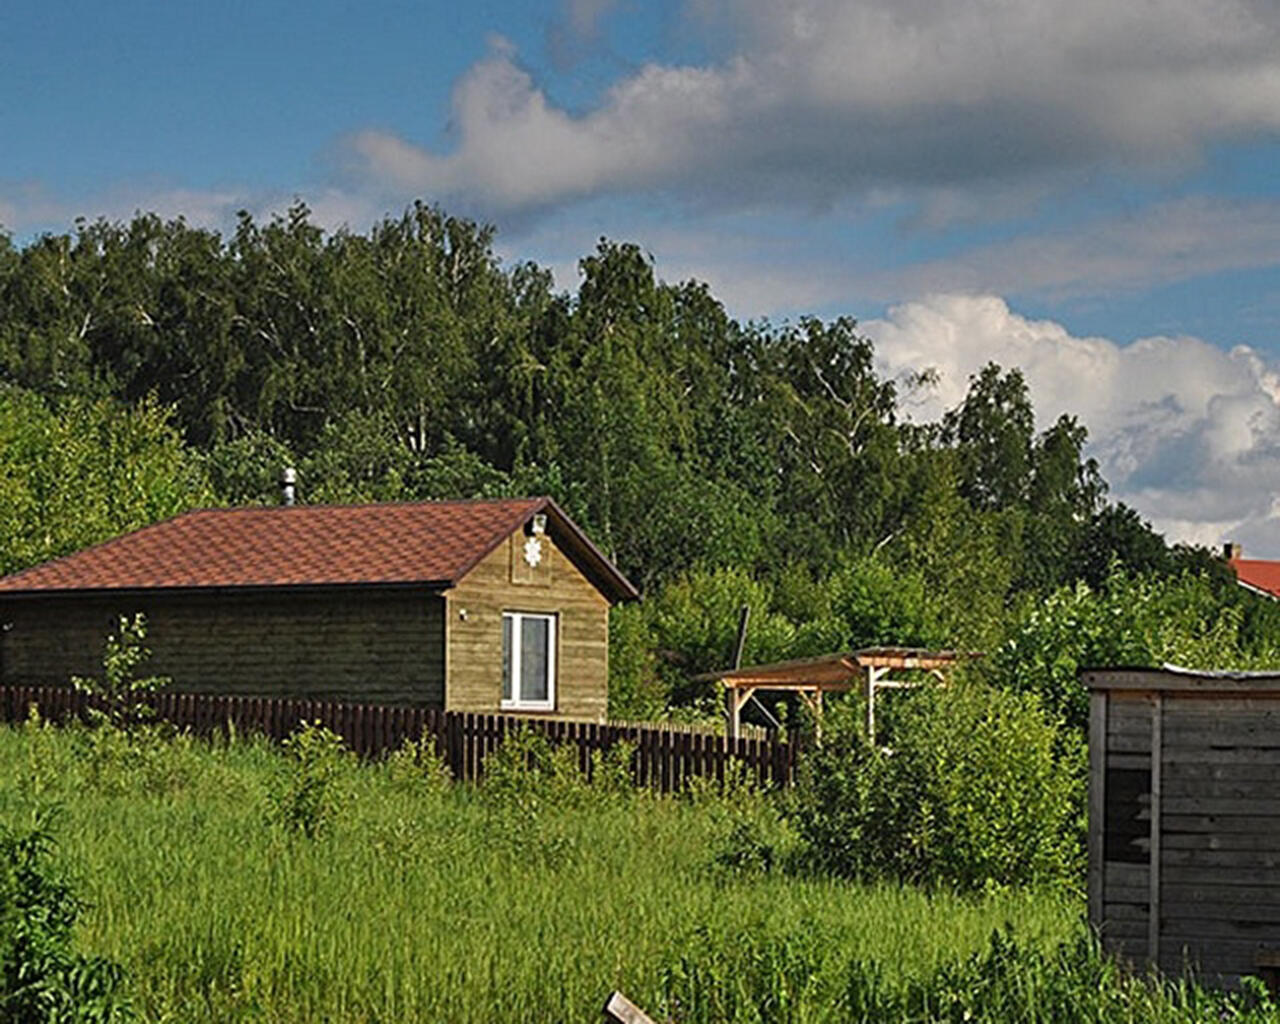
[41,978]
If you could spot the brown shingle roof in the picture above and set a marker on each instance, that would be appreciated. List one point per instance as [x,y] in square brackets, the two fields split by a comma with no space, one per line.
[429,543]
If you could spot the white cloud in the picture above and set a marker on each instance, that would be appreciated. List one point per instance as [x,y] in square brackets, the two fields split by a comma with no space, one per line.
[1161,244]
[825,98]
[1186,433]
[758,269]
[584,16]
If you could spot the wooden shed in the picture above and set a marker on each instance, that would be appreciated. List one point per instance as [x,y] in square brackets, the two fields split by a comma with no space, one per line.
[1184,818]
[466,605]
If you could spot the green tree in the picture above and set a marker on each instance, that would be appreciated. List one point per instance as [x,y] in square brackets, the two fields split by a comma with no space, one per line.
[829,421]
[1133,620]
[83,471]
[993,430]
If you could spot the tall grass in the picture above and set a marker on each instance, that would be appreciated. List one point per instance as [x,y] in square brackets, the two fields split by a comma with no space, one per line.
[430,903]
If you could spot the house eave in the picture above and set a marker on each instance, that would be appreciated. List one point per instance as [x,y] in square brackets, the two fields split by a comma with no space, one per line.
[234,590]
[1261,591]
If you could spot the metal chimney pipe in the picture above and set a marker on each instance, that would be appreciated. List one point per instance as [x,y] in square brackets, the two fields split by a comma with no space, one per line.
[288,478]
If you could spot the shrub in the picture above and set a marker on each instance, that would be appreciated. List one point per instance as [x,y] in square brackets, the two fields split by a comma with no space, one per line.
[612,772]
[979,789]
[529,773]
[124,748]
[1130,621]
[636,693]
[41,979]
[123,692]
[417,766]
[154,757]
[751,831]
[693,625]
[307,795]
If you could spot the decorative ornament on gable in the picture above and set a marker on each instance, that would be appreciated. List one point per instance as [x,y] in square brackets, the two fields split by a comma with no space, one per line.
[536,528]
[533,551]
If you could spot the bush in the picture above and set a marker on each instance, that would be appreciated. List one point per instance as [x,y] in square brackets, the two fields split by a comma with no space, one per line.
[529,773]
[1131,621]
[636,693]
[692,624]
[416,766]
[41,979]
[532,783]
[307,795]
[122,691]
[979,789]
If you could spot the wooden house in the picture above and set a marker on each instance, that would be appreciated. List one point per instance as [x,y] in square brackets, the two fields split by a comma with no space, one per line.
[1184,818]
[465,605]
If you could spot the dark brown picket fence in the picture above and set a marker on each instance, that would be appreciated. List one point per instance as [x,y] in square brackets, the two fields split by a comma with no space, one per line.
[664,758]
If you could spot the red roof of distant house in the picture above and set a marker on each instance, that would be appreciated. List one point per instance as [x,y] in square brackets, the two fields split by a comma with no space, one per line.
[428,543]
[1258,574]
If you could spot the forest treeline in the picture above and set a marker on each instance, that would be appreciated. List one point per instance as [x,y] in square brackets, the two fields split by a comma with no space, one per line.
[150,366]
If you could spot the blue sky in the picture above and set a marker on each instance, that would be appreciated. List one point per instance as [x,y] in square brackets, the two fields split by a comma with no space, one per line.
[1083,188]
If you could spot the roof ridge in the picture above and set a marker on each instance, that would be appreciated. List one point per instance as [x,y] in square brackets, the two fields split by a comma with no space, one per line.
[352,504]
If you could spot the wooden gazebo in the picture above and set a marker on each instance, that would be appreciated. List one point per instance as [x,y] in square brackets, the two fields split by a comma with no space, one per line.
[867,669]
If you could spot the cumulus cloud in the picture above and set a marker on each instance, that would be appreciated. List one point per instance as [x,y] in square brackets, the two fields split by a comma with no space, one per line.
[1185,432]
[823,99]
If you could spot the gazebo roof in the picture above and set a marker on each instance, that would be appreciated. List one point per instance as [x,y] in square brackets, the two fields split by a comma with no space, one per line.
[833,671]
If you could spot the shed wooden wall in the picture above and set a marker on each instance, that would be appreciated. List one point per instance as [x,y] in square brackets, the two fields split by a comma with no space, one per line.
[364,645]
[504,582]
[1185,818]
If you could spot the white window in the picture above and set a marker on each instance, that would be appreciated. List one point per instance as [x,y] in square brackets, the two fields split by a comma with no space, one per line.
[528,661]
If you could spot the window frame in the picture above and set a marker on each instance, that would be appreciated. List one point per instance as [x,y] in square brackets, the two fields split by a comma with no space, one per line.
[515,702]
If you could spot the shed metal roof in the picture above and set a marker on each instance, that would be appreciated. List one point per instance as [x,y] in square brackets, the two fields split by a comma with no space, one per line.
[424,543]
[1170,678]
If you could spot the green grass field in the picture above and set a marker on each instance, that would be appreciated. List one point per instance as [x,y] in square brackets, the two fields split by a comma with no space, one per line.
[426,903]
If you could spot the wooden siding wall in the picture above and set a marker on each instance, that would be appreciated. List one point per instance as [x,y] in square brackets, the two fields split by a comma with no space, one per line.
[364,645]
[504,582]
[1193,831]
[1126,826]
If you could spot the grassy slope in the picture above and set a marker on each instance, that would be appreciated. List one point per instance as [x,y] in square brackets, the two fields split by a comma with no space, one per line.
[438,906]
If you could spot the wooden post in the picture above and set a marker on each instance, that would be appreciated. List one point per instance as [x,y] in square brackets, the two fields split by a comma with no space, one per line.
[1153,901]
[733,706]
[735,698]
[1097,804]
[743,618]
[869,692]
